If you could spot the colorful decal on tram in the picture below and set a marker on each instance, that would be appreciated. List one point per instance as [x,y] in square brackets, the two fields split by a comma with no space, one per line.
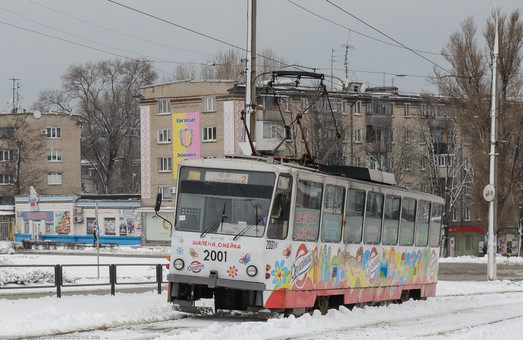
[365,275]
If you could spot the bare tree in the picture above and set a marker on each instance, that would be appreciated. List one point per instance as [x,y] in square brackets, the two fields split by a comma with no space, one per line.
[24,145]
[469,86]
[224,65]
[105,94]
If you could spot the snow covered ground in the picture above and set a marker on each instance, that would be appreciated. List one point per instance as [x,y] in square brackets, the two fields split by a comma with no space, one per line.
[461,310]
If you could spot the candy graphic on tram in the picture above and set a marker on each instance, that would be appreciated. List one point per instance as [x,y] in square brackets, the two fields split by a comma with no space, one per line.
[195,267]
[300,267]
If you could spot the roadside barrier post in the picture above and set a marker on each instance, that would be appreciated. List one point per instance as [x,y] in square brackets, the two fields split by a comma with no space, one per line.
[58,280]
[159,275]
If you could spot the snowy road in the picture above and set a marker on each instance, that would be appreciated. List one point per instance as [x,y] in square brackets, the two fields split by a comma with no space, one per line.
[485,309]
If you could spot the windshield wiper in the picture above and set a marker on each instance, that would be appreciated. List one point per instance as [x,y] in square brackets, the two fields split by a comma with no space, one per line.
[213,226]
[257,219]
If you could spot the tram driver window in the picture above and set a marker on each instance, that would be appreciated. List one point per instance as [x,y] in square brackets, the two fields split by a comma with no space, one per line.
[307,212]
[279,221]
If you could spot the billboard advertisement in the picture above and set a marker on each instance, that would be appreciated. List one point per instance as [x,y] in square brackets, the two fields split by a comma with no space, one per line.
[186,137]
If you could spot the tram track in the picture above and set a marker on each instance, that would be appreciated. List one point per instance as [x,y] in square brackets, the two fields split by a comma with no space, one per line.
[426,322]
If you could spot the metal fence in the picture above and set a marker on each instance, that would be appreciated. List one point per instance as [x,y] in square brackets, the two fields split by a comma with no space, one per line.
[113,276]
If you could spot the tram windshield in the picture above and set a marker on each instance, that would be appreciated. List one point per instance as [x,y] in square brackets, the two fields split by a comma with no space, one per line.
[223,201]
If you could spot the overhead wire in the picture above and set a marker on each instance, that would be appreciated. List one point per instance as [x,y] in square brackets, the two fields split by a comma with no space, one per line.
[386,35]
[118,32]
[354,31]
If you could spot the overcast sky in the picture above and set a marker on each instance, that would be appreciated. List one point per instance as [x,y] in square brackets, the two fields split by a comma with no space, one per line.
[41,38]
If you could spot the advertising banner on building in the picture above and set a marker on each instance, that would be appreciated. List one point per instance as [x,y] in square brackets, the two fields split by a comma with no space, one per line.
[130,223]
[186,138]
[62,222]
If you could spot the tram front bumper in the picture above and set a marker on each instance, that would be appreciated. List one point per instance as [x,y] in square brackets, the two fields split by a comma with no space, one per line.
[213,281]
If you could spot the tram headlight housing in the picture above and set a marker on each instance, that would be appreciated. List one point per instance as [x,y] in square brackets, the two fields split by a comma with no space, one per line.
[252,270]
[179,264]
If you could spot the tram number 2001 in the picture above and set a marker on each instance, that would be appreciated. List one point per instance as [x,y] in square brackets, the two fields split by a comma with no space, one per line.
[213,255]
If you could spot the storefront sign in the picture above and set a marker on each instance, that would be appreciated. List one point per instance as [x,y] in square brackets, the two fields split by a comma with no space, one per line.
[38,215]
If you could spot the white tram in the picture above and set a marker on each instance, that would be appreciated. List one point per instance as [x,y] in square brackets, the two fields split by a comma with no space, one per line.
[254,234]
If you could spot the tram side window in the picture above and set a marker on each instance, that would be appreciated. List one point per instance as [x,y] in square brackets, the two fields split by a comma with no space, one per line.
[435,225]
[354,216]
[373,218]
[332,213]
[422,224]
[408,217]
[279,222]
[307,213]
[391,220]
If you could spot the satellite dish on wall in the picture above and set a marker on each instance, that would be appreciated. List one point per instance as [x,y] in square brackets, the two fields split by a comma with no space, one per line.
[37,114]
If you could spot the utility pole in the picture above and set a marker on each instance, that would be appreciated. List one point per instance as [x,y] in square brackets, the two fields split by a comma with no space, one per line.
[250,86]
[490,190]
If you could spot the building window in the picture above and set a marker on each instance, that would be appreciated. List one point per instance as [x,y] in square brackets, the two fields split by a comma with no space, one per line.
[54,132]
[357,162]
[6,155]
[407,137]
[454,214]
[304,104]
[357,107]
[166,193]
[54,155]
[287,104]
[343,108]
[5,178]
[423,163]
[467,214]
[209,134]
[407,109]
[54,178]
[164,164]
[439,111]
[422,138]
[267,102]
[406,166]
[164,106]
[357,136]
[164,136]
[273,130]
[209,104]
[466,190]
[423,110]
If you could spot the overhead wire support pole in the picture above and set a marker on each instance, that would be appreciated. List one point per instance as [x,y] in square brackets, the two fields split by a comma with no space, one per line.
[250,85]
[492,174]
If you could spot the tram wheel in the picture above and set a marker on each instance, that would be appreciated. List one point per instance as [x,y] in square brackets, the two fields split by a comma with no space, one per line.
[323,304]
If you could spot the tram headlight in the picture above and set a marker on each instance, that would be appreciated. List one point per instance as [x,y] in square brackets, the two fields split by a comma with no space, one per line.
[252,270]
[179,264]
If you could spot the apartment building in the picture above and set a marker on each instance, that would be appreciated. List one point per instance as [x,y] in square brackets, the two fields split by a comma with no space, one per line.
[195,119]
[39,150]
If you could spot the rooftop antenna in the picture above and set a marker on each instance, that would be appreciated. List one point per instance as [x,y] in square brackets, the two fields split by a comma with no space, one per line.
[16,86]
